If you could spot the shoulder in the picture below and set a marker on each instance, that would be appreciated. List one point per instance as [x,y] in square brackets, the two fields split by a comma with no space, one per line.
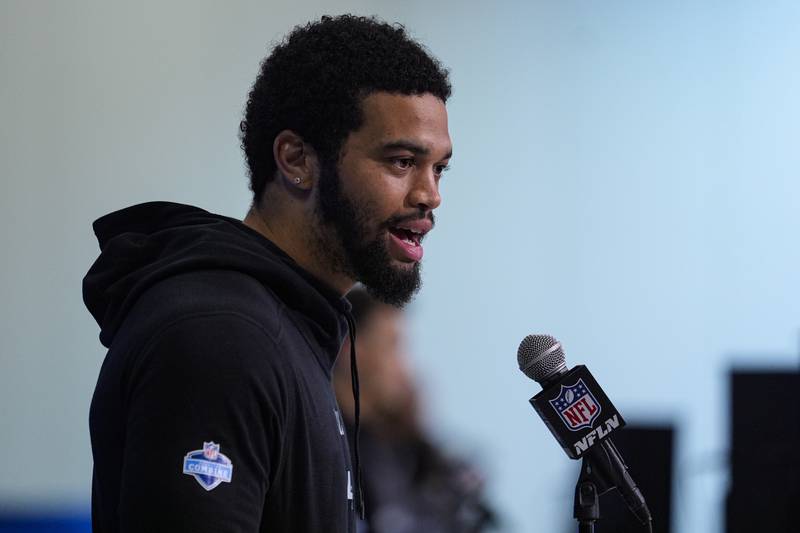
[220,346]
[229,295]
[190,326]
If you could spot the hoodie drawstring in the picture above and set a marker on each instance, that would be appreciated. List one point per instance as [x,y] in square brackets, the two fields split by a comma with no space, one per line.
[357,411]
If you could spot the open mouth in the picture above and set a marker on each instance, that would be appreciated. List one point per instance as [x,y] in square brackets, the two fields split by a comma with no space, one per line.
[404,244]
[407,236]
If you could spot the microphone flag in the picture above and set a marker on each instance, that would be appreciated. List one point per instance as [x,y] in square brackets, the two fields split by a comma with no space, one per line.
[577,411]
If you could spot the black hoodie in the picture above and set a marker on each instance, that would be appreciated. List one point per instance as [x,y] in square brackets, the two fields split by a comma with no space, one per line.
[214,409]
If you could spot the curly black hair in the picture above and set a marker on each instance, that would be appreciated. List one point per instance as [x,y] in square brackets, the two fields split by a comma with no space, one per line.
[313,83]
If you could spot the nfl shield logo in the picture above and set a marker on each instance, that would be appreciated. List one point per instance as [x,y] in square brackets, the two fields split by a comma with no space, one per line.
[208,466]
[210,451]
[576,406]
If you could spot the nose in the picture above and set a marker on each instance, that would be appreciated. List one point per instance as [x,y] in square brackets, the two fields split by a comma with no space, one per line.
[424,194]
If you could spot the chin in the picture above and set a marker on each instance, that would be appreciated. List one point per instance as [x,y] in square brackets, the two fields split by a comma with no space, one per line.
[404,266]
[386,278]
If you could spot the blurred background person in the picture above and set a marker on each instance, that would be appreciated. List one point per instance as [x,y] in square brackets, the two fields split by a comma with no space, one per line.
[410,484]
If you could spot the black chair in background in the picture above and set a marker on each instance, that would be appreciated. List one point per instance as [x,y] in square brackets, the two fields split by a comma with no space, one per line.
[764,492]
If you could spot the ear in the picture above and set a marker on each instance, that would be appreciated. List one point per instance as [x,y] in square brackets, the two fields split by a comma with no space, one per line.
[296,161]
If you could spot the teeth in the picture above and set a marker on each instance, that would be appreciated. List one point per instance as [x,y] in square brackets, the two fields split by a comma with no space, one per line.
[415,232]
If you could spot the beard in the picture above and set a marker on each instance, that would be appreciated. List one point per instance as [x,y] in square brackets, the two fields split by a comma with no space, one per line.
[355,244]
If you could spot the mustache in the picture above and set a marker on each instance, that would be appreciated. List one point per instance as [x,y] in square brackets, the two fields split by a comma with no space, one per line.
[419,215]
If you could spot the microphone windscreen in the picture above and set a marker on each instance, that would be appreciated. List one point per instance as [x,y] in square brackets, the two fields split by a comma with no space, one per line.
[540,356]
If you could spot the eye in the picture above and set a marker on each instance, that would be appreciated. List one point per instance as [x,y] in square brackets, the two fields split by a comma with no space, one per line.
[441,169]
[403,163]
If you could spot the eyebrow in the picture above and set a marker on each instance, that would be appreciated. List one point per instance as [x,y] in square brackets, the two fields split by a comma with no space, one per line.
[411,146]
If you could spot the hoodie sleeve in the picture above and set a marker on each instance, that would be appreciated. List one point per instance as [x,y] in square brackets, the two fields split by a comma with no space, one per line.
[205,407]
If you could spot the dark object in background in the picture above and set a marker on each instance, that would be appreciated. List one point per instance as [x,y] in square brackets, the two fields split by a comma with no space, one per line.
[649,454]
[764,492]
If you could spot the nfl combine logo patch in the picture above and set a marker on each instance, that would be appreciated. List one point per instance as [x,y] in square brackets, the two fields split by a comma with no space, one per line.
[576,406]
[208,466]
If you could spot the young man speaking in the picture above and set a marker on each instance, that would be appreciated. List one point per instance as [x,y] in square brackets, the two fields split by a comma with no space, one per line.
[214,409]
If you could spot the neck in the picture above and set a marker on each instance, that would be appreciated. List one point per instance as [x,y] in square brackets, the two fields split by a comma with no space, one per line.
[292,234]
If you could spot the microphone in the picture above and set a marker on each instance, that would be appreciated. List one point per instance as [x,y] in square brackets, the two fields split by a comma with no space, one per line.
[580,416]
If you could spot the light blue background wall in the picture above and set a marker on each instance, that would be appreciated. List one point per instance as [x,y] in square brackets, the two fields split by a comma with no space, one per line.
[625,178]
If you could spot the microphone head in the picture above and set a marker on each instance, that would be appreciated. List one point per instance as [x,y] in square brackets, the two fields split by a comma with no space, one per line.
[540,357]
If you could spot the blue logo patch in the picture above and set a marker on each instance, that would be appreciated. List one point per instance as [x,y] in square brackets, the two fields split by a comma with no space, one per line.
[208,466]
[576,406]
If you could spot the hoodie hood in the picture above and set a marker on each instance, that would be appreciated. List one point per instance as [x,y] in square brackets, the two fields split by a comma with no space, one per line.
[147,243]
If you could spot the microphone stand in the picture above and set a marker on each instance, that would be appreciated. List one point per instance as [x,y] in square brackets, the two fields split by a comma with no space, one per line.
[598,477]
[586,508]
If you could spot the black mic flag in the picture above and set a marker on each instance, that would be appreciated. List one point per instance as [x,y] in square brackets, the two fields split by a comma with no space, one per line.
[577,411]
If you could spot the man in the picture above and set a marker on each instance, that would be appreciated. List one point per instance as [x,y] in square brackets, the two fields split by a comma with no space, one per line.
[410,484]
[214,409]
